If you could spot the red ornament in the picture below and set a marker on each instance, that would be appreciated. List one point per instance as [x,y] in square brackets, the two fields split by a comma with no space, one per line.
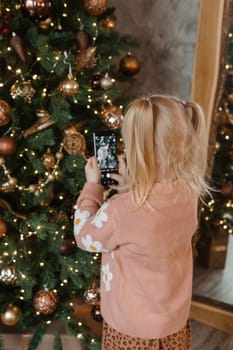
[227,189]
[67,247]
[7,145]
[4,23]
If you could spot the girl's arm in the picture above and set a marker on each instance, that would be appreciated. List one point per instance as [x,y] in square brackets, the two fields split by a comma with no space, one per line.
[94,224]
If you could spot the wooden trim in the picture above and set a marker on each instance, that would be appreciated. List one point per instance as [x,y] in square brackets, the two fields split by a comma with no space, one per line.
[212,313]
[208,56]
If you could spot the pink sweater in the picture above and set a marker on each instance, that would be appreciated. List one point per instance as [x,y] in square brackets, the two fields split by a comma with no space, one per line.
[146,270]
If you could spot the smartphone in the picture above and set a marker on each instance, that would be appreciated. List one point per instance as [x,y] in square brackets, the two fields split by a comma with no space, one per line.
[106,153]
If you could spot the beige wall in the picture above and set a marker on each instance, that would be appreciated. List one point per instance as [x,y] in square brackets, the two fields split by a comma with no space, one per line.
[166,32]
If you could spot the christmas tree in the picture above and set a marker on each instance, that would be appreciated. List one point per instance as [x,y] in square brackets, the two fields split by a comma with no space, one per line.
[60,63]
[216,220]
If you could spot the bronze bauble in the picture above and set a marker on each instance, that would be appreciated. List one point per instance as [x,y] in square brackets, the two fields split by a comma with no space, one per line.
[5,111]
[129,64]
[95,7]
[7,145]
[92,295]
[45,301]
[111,116]
[69,86]
[8,275]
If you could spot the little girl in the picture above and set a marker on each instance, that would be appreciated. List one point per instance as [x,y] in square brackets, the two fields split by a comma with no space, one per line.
[144,232]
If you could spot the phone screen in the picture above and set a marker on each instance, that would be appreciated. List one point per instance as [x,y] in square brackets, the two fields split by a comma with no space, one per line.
[105,152]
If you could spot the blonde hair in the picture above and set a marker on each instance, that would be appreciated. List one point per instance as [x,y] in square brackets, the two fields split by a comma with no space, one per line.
[165,140]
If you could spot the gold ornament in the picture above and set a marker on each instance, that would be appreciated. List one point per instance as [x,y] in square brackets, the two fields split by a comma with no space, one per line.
[69,86]
[95,7]
[74,142]
[8,275]
[85,59]
[3,227]
[45,301]
[37,8]
[108,23]
[92,295]
[129,64]
[23,89]
[11,316]
[45,202]
[43,121]
[5,111]
[106,82]
[111,116]
[48,160]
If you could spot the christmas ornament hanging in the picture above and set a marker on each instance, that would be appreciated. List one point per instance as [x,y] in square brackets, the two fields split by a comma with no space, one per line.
[7,145]
[227,189]
[111,116]
[48,160]
[95,7]
[129,64]
[85,59]
[45,24]
[106,82]
[69,86]
[11,316]
[92,295]
[95,313]
[45,301]
[37,9]
[74,142]
[23,89]
[17,44]
[95,81]
[8,275]
[3,227]
[82,40]
[67,247]
[43,121]
[108,23]
[5,111]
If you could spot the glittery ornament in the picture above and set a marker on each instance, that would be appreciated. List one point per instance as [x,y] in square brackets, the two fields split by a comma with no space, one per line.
[45,301]
[74,142]
[129,64]
[92,295]
[37,9]
[8,275]
[95,313]
[5,111]
[48,159]
[95,7]
[43,121]
[11,316]
[111,116]
[69,86]
[106,82]
[23,89]
[85,59]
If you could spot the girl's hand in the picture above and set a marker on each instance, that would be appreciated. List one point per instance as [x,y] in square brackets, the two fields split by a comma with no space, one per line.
[92,171]
[122,171]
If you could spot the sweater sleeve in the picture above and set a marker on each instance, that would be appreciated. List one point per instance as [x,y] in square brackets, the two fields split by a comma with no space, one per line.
[94,224]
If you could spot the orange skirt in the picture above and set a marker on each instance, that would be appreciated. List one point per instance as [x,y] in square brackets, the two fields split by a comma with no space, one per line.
[113,340]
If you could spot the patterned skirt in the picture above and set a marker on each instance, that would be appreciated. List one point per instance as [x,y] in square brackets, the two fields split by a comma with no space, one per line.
[113,340]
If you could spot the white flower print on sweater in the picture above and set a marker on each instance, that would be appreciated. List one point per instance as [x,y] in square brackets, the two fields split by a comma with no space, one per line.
[92,246]
[107,277]
[80,218]
[100,216]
